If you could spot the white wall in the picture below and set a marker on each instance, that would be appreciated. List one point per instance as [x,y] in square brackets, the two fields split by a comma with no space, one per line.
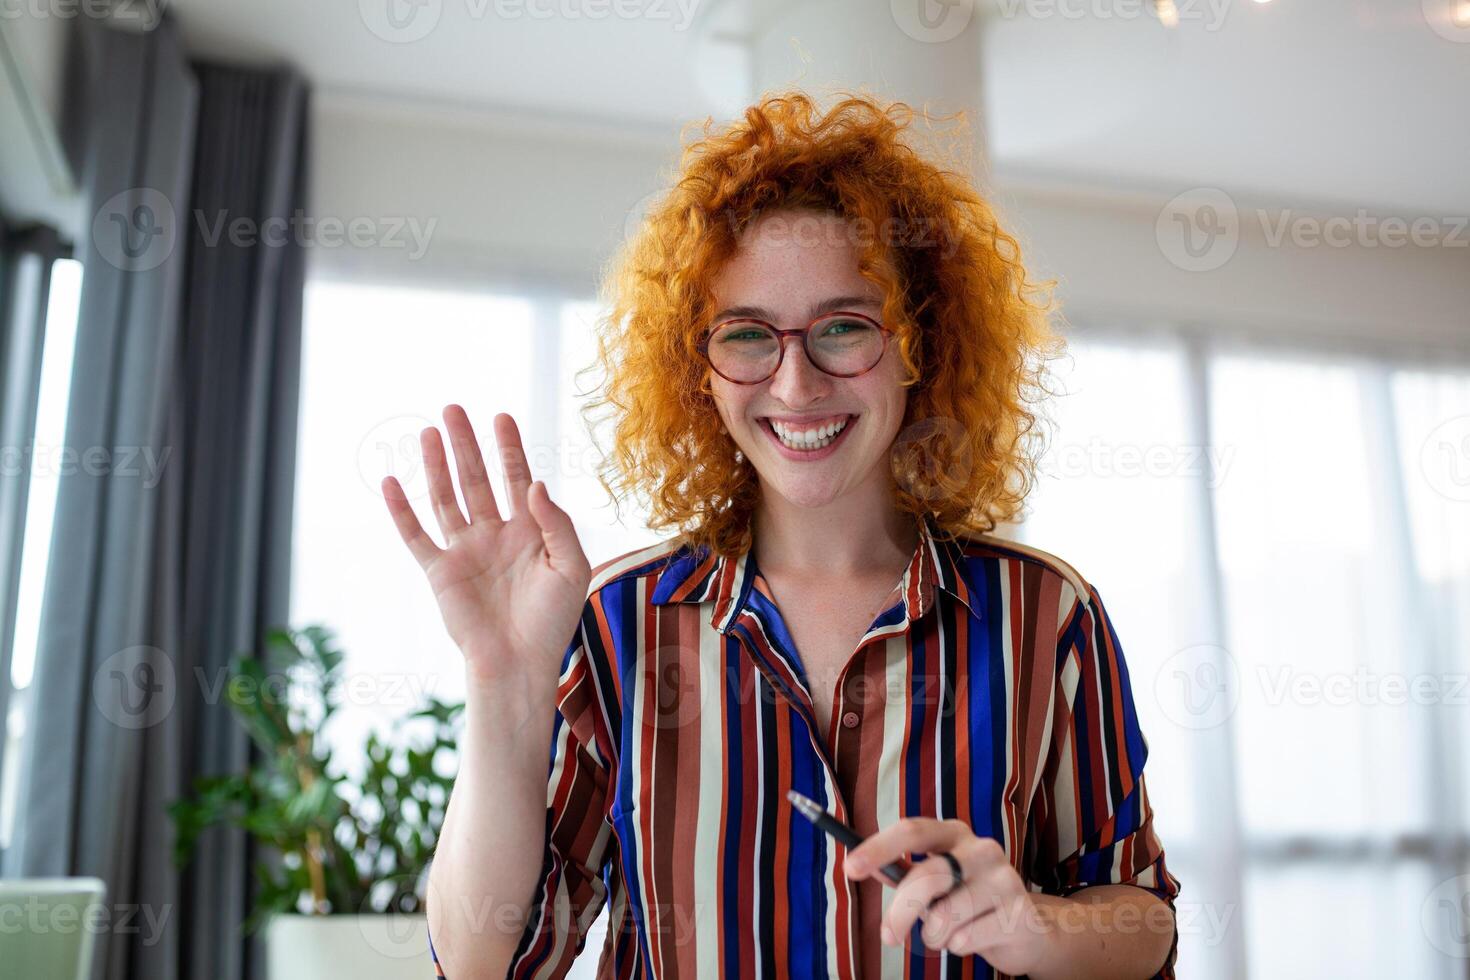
[35,182]
[518,200]
[500,200]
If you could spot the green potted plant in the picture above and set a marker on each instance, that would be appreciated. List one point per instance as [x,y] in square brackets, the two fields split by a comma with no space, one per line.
[346,893]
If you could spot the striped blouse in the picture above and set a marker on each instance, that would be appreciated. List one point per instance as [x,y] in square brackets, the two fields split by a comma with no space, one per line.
[994,692]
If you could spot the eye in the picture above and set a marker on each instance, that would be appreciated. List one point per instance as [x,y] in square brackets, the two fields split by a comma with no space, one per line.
[749,333]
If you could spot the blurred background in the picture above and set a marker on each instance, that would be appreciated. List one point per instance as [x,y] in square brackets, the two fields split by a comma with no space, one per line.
[250,249]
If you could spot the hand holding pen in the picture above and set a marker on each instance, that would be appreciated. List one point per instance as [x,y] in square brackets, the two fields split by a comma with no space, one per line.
[957,891]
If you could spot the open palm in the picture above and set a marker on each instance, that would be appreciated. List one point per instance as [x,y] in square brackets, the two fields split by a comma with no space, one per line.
[510,589]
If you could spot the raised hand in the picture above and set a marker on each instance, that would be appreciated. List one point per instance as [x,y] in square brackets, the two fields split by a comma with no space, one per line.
[510,588]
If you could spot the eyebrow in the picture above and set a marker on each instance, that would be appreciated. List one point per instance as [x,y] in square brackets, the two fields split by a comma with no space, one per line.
[817,309]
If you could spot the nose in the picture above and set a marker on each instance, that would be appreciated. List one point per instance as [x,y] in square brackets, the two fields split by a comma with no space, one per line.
[798,381]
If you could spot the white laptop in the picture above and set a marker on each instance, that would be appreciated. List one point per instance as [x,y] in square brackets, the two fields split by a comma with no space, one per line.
[46,928]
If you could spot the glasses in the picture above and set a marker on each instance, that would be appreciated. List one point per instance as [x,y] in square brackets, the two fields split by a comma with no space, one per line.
[747,351]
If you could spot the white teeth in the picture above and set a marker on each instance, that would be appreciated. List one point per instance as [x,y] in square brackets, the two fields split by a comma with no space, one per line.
[808,439]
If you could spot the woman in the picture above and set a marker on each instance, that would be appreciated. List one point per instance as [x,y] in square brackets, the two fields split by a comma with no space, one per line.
[821,349]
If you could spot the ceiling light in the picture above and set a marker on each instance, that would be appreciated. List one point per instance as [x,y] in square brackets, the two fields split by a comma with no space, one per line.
[1169,14]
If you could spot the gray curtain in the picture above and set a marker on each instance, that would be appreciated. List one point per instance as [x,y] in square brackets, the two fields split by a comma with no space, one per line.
[171,552]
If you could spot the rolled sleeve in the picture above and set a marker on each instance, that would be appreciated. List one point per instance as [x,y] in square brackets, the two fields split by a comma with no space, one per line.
[1092,822]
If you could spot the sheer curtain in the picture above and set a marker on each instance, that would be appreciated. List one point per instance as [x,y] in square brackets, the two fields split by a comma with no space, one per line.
[1284,540]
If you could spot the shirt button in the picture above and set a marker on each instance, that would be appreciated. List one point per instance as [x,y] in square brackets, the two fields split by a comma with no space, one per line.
[850,720]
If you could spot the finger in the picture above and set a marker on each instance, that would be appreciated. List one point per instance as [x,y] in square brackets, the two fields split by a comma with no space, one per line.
[558,533]
[441,487]
[1000,924]
[474,478]
[987,878]
[513,462]
[420,545]
[902,837]
[928,880]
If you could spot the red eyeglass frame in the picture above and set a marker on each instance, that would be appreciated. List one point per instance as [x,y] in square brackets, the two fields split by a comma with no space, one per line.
[781,335]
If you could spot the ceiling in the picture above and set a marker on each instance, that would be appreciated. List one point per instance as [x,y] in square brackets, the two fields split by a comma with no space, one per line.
[1342,104]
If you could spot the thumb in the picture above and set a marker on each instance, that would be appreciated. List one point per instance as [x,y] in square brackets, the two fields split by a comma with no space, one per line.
[557,531]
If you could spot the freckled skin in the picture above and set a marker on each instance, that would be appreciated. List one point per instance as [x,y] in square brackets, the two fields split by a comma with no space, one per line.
[788,261]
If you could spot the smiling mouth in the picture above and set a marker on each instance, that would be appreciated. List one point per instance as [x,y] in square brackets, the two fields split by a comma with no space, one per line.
[807,440]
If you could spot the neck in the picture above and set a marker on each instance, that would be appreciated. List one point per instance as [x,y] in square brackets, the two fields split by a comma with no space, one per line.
[862,533]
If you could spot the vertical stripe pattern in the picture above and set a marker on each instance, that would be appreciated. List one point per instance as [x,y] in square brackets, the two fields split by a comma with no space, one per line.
[994,692]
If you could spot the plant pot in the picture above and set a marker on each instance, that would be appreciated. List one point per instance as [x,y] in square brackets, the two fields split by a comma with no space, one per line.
[378,946]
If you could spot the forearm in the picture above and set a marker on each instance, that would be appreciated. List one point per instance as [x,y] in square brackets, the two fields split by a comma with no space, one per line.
[1105,932]
[488,858]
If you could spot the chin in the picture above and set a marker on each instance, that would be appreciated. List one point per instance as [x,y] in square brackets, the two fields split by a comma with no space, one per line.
[807,496]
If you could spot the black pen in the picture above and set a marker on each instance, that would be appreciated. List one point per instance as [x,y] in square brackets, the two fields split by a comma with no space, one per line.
[809,808]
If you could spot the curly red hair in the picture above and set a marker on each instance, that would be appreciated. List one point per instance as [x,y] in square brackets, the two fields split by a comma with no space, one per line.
[973,333]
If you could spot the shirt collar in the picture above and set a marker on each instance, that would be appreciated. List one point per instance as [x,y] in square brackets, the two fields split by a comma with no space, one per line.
[698,575]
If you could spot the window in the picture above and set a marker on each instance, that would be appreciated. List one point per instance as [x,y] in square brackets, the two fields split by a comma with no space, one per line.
[1281,539]
[58,345]
[379,364]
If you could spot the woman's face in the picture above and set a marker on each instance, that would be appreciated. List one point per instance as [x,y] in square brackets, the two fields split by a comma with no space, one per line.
[788,265]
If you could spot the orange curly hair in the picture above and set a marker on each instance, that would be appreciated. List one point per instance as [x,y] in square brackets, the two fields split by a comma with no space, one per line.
[974,334]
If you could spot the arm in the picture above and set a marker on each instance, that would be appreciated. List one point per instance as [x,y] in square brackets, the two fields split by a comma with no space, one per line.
[515,886]
[513,852]
[488,858]
[1105,932]
[1110,900]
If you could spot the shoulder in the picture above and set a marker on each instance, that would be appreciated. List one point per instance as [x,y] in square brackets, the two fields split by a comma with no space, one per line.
[979,548]
[646,562]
